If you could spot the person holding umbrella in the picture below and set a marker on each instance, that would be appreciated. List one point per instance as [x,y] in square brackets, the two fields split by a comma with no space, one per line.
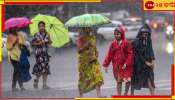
[47,31]
[90,76]
[54,27]
[121,55]
[14,42]
[13,47]
[143,74]
[40,42]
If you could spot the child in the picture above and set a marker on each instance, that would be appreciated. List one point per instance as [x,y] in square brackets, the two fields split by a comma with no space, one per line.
[121,55]
[25,53]
[25,65]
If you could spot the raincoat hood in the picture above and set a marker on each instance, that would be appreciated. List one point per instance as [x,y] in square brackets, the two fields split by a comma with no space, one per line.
[143,29]
[121,30]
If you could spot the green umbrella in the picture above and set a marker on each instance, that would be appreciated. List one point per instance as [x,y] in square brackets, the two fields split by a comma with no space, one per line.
[55,28]
[87,20]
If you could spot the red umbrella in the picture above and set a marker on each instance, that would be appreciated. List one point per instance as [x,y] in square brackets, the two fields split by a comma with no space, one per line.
[18,22]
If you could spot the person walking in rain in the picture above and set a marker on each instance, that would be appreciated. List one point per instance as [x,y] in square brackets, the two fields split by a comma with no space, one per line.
[25,53]
[14,41]
[143,74]
[40,43]
[121,55]
[90,76]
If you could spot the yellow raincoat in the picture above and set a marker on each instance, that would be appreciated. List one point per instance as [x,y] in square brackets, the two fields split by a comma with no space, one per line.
[13,45]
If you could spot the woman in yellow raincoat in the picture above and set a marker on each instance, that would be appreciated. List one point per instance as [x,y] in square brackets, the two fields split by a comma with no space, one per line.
[90,76]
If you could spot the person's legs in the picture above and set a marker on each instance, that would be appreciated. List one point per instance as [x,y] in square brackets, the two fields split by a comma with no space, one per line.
[81,94]
[132,90]
[35,84]
[45,81]
[119,88]
[15,75]
[19,80]
[151,88]
[14,80]
[127,86]
[21,85]
[98,90]
[79,89]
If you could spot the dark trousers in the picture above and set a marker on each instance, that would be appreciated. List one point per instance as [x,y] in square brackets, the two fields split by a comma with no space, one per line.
[16,74]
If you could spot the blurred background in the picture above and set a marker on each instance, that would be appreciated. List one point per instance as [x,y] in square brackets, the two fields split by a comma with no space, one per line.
[64,77]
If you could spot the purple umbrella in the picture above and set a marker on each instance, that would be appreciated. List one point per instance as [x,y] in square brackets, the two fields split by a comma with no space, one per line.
[18,22]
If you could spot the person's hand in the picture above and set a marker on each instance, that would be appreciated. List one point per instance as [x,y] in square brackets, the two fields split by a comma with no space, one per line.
[124,66]
[106,70]
[39,42]
[152,64]
[148,63]
[42,42]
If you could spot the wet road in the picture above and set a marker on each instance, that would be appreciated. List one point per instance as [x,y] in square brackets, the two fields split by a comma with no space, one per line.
[64,76]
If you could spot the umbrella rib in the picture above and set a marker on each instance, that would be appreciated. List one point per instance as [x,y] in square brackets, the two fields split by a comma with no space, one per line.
[57,36]
[60,31]
[47,18]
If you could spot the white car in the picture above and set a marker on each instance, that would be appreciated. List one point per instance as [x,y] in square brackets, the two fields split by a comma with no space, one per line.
[132,26]
[106,32]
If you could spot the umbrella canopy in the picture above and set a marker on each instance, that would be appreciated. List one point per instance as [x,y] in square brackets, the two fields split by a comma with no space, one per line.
[87,20]
[18,22]
[55,28]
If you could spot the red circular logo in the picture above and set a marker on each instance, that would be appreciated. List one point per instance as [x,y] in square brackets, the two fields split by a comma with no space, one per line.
[149,4]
